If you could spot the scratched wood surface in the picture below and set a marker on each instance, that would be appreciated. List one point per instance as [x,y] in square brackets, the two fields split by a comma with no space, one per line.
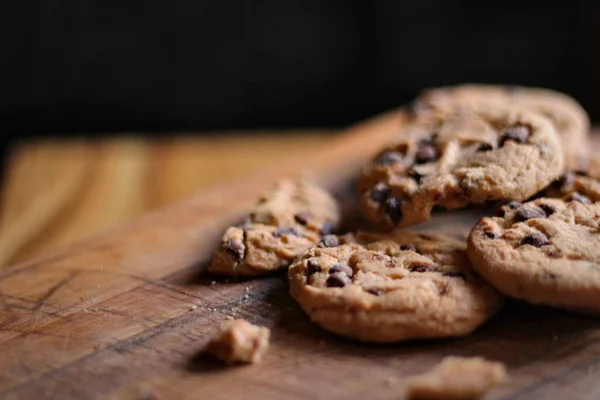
[125,314]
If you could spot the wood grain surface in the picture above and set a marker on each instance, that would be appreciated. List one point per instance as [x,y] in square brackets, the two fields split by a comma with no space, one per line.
[125,314]
[56,192]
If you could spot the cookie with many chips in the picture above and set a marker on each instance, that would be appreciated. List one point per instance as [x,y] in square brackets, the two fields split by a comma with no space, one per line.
[388,288]
[545,252]
[460,159]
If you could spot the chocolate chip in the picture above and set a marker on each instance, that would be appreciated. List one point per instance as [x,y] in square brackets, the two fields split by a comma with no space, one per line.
[485,147]
[326,228]
[414,174]
[535,239]
[408,247]
[529,211]
[312,267]
[344,268]
[513,205]
[303,217]
[453,274]
[234,248]
[518,133]
[490,234]
[390,158]
[329,241]
[380,193]
[393,208]
[548,209]
[580,198]
[339,279]
[420,268]
[285,230]
[426,153]
[375,291]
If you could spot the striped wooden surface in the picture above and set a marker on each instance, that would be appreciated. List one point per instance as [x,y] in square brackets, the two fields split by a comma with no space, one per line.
[56,192]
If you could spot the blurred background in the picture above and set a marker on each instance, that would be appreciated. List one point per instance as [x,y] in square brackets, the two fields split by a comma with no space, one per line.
[110,108]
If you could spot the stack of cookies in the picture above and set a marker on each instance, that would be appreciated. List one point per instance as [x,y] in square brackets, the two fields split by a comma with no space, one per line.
[519,151]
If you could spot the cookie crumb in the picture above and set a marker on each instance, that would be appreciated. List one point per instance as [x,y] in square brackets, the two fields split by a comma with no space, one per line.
[193,307]
[457,378]
[239,341]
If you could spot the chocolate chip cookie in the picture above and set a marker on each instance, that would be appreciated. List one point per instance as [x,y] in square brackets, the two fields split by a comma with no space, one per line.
[459,159]
[568,117]
[545,252]
[388,288]
[284,224]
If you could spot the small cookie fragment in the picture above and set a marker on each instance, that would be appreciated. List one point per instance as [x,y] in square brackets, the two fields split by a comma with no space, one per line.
[239,342]
[547,257]
[392,287]
[457,378]
[285,223]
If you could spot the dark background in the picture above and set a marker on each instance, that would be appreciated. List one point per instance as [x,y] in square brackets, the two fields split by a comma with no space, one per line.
[72,66]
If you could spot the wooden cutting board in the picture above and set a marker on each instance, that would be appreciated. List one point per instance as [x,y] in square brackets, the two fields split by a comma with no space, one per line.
[125,314]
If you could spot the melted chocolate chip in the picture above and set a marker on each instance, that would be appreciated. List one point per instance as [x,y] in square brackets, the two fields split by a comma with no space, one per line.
[414,174]
[312,267]
[338,279]
[234,248]
[284,230]
[408,247]
[548,209]
[580,198]
[518,133]
[535,239]
[303,217]
[390,158]
[329,241]
[528,212]
[426,153]
[326,228]
[453,274]
[490,234]
[420,268]
[485,147]
[344,268]
[393,208]
[380,193]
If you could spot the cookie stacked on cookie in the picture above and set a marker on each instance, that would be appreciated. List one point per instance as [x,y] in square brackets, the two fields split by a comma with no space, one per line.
[522,151]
